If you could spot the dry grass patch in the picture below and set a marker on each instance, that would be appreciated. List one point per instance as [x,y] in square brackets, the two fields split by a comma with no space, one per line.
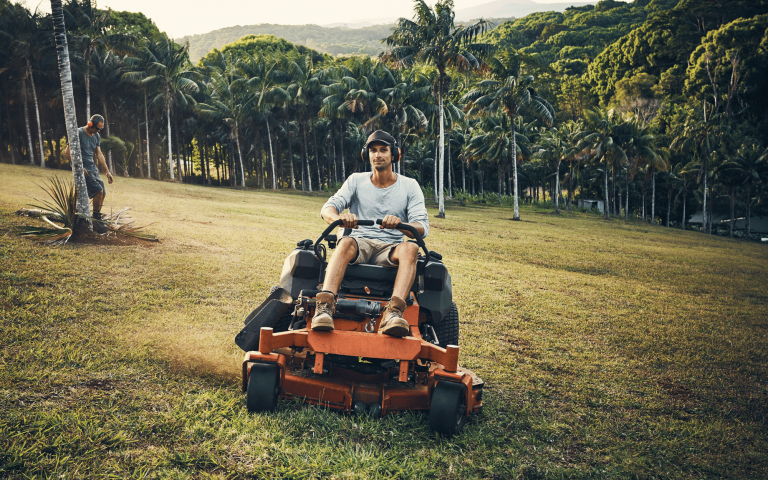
[610,349]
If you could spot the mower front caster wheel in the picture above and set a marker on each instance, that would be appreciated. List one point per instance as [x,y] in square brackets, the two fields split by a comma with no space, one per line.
[263,387]
[448,408]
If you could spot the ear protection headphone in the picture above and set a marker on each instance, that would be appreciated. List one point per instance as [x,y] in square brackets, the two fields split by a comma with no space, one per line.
[98,118]
[395,152]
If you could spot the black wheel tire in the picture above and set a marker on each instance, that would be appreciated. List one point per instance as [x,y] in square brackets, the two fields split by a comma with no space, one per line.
[360,408]
[374,410]
[447,410]
[448,330]
[263,387]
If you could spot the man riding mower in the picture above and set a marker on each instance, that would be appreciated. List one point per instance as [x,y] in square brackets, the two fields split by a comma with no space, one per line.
[373,330]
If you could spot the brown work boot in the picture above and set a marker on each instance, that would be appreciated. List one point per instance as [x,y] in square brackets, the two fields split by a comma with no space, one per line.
[326,307]
[393,322]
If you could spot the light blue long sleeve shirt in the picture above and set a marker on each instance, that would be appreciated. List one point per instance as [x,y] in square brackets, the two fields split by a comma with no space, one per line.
[402,199]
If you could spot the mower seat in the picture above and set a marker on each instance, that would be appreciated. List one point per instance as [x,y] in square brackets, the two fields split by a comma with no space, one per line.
[371,272]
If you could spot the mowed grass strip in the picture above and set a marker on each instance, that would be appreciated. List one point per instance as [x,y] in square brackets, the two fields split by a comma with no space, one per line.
[609,349]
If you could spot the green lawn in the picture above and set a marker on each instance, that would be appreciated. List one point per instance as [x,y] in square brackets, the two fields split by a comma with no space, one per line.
[609,350]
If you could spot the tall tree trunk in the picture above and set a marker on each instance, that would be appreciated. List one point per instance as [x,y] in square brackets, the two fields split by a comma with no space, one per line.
[10,133]
[146,126]
[450,169]
[87,75]
[626,206]
[516,215]
[570,186]
[170,150]
[500,174]
[271,158]
[434,170]
[239,155]
[463,175]
[613,189]
[37,114]
[317,161]
[139,162]
[704,206]
[606,207]
[643,211]
[333,156]
[669,205]
[557,187]
[70,117]
[179,152]
[682,221]
[732,195]
[106,130]
[290,161]
[653,196]
[441,204]
[26,123]
[217,161]
[749,210]
[207,160]
[341,154]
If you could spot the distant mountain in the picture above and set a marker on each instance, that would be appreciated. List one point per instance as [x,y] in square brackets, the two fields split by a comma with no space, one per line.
[513,8]
[360,36]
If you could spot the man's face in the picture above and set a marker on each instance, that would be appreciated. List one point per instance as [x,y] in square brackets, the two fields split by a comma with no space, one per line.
[98,127]
[380,155]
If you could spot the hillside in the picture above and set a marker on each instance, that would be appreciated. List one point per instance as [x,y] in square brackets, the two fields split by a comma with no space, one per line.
[341,40]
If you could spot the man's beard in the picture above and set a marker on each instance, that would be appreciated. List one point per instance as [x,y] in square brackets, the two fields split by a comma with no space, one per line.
[382,167]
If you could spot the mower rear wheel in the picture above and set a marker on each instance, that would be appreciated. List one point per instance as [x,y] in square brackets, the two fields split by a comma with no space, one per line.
[448,330]
[448,408]
[263,387]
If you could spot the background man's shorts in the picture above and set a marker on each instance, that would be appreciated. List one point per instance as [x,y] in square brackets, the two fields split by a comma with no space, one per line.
[373,252]
[94,184]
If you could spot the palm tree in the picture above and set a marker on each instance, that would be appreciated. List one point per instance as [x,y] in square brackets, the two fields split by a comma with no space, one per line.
[751,163]
[70,116]
[168,76]
[697,135]
[511,93]
[556,146]
[638,144]
[23,32]
[602,144]
[433,38]
[108,76]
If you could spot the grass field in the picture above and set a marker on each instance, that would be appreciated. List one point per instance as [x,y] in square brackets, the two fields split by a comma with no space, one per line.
[609,350]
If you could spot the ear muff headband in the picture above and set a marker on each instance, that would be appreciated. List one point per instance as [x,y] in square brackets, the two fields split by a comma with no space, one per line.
[395,154]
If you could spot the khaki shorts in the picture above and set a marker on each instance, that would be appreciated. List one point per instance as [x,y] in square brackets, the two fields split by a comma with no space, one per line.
[373,252]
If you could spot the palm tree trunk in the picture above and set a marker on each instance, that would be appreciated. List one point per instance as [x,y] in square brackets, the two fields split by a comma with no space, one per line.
[87,74]
[26,123]
[669,205]
[70,116]
[146,126]
[501,180]
[305,126]
[239,155]
[441,204]
[341,154]
[10,135]
[643,217]
[179,152]
[317,161]
[37,115]
[606,206]
[290,161]
[704,206]
[653,196]
[749,209]
[682,222]
[271,158]
[626,200]
[434,171]
[516,215]
[170,150]
[557,188]
[732,195]
[333,156]
[450,169]
[463,175]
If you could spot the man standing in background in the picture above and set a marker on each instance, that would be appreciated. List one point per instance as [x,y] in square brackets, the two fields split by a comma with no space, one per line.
[93,161]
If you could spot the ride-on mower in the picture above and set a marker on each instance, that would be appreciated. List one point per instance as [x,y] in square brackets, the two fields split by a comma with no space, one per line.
[353,368]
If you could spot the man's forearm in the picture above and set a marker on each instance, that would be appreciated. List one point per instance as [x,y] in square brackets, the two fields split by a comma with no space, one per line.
[330,214]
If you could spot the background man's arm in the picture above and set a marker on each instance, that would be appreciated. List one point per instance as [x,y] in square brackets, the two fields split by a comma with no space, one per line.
[102,164]
[66,154]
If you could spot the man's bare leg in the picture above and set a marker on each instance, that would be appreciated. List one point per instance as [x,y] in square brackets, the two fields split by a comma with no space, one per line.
[346,251]
[404,256]
[98,201]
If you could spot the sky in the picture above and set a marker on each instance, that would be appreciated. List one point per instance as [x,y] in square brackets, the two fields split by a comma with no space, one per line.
[189,17]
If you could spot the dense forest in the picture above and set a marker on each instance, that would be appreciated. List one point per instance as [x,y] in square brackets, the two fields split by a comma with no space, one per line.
[657,107]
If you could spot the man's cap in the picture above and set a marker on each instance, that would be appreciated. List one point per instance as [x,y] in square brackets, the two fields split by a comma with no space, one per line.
[380,136]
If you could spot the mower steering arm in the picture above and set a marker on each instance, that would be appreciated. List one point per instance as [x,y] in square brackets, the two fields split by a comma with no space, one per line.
[369,223]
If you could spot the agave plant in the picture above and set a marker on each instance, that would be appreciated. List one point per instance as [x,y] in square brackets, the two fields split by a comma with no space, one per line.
[61,208]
